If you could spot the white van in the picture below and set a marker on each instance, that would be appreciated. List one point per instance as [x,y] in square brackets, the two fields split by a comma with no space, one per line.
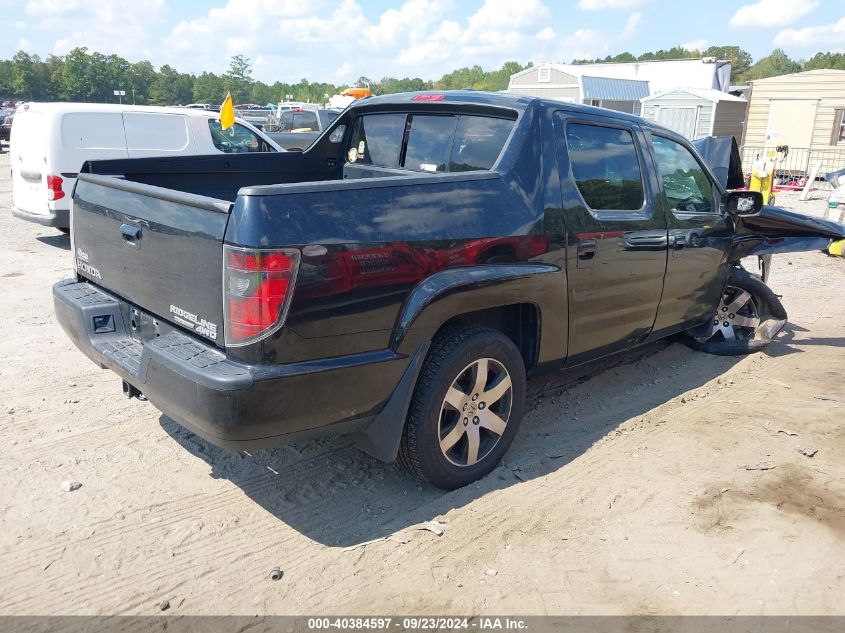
[51,141]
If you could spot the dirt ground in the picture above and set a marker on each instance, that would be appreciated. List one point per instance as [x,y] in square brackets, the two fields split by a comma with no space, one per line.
[631,488]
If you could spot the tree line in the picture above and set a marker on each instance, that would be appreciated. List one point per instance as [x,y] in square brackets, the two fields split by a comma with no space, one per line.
[91,76]
[743,67]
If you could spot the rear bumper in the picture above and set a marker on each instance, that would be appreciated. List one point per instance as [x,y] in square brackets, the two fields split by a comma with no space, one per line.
[230,404]
[59,218]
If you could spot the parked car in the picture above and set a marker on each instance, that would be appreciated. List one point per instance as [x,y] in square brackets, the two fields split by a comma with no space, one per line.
[398,280]
[299,127]
[7,115]
[51,141]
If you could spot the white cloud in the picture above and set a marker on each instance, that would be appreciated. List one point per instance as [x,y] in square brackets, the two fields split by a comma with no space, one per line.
[816,36]
[335,39]
[23,44]
[596,5]
[632,25]
[772,13]
[122,27]
[695,45]
[583,44]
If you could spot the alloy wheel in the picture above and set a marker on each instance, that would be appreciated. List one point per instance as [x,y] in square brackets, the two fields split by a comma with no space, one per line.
[736,319]
[475,412]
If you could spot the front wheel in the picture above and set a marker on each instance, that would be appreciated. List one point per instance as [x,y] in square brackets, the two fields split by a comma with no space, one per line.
[466,408]
[748,317]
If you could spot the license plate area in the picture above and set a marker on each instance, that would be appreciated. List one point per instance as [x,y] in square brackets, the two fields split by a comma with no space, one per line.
[140,325]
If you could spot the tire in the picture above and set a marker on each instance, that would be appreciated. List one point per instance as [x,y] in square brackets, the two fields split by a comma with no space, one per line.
[748,317]
[453,435]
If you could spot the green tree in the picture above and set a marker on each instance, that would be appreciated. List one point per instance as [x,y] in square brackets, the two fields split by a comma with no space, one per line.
[775,63]
[140,78]
[75,75]
[740,59]
[7,77]
[208,88]
[835,61]
[23,77]
[238,79]
[164,90]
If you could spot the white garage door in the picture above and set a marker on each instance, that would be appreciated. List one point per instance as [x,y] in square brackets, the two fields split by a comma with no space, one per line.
[681,119]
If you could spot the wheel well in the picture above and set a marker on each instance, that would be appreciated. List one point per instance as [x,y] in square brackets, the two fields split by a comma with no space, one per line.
[520,322]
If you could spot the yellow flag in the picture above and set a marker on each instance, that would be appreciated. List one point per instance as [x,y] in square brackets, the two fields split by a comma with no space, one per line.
[227,113]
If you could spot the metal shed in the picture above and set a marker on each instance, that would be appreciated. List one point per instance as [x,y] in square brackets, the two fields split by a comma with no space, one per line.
[569,83]
[697,112]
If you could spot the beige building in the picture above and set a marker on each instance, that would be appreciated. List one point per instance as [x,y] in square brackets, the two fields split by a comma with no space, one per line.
[802,110]
[571,84]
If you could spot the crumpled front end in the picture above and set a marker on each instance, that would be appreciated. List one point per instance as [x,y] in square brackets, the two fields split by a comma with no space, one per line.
[777,230]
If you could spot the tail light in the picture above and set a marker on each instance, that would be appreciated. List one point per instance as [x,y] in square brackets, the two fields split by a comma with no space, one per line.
[54,188]
[257,290]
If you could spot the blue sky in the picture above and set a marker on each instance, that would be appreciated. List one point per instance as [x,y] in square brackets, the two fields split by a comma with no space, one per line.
[340,40]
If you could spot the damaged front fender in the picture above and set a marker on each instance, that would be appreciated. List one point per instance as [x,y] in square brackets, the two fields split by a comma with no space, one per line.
[777,230]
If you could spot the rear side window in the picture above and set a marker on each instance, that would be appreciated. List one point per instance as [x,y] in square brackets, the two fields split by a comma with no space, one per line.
[605,166]
[427,142]
[478,142]
[101,130]
[377,140]
[160,132]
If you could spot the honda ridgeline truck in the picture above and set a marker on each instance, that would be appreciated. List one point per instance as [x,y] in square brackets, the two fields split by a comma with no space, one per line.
[399,279]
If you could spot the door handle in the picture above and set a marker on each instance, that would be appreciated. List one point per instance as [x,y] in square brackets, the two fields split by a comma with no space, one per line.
[586,249]
[679,242]
[131,234]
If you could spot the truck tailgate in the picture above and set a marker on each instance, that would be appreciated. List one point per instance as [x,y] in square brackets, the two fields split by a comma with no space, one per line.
[160,249]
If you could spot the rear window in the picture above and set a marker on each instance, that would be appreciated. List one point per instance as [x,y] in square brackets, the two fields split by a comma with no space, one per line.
[427,142]
[155,132]
[605,166]
[100,130]
[296,120]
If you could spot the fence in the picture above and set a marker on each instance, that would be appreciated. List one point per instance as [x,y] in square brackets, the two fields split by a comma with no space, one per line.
[793,168]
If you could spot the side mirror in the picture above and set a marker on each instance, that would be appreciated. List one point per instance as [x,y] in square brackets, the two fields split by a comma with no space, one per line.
[744,203]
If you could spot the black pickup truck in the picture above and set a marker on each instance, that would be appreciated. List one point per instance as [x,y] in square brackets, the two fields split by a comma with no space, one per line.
[398,280]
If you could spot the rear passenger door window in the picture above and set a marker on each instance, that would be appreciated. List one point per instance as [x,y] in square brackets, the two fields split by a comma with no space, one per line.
[686,185]
[377,140]
[606,167]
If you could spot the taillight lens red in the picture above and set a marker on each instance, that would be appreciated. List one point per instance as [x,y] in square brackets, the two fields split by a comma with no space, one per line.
[54,188]
[257,290]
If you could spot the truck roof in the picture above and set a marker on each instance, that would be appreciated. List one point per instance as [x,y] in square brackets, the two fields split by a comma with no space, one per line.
[493,99]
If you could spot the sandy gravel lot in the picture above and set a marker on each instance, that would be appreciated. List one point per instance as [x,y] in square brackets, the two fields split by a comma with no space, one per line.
[626,492]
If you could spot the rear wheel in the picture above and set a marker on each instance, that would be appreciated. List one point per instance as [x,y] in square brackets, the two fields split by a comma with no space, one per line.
[748,317]
[466,408]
